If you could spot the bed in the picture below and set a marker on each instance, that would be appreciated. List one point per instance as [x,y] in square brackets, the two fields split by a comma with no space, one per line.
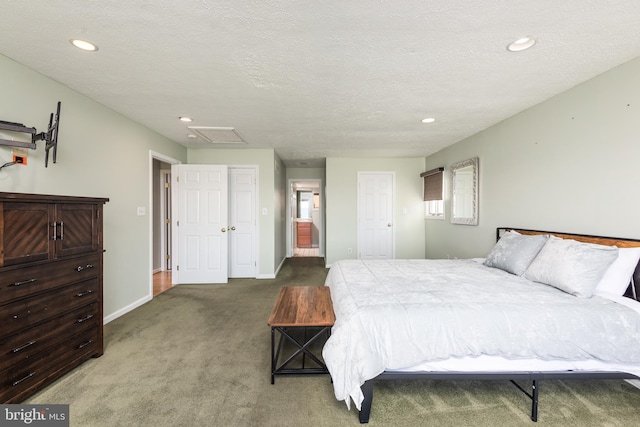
[541,305]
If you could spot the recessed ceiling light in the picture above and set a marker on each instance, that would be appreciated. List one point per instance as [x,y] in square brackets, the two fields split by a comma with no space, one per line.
[185,119]
[428,120]
[84,45]
[521,44]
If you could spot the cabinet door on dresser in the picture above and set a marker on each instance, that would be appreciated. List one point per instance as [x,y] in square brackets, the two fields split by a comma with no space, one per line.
[26,232]
[76,229]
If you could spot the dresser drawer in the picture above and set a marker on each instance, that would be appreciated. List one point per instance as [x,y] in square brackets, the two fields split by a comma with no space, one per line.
[22,282]
[19,382]
[21,347]
[29,311]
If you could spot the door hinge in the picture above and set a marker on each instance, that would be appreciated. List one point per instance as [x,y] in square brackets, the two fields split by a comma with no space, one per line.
[167,185]
[177,223]
[168,257]
[177,179]
[177,268]
[167,221]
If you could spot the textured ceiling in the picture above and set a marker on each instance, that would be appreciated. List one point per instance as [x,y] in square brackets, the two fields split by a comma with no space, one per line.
[326,78]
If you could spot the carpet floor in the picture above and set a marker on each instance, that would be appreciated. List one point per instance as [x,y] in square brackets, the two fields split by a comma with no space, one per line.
[199,355]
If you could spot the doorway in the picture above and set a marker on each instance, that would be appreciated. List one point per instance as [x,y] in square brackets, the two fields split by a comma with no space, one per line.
[305,214]
[160,222]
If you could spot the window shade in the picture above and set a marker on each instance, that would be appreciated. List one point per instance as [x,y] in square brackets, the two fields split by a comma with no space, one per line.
[433,184]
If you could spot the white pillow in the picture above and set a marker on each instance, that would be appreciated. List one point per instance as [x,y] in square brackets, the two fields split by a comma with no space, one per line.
[571,266]
[514,252]
[618,276]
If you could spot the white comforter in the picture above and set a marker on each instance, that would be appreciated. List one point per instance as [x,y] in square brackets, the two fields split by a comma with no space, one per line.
[397,314]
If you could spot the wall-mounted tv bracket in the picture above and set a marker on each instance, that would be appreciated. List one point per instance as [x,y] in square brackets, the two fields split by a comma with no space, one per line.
[50,136]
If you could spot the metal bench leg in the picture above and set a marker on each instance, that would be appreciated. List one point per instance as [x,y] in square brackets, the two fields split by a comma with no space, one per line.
[273,356]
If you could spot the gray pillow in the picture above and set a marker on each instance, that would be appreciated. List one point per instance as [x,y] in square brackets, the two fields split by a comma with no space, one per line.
[514,252]
[571,266]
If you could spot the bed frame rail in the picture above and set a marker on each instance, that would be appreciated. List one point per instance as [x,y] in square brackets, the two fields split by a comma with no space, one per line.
[533,377]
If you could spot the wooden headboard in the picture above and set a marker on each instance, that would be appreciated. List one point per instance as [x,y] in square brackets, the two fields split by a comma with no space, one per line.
[599,240]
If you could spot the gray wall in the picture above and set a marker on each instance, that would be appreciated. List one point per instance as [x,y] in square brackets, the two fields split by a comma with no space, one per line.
[567,164]
[101,153]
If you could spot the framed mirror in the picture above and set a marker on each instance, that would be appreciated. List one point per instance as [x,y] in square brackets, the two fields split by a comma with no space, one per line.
[464,192]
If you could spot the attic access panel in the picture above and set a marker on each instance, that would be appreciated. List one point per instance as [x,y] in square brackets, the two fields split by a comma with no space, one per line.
[218,135]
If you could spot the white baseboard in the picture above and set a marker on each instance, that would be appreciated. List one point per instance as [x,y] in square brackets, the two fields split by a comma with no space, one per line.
[279,267]
[126,309]
[266,276]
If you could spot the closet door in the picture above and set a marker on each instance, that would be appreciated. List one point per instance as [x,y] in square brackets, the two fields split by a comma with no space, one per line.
[200,196]
[242,222]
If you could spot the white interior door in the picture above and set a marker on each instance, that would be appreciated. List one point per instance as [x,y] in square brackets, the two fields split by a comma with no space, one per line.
[375,215]
[200,226]
[242,222]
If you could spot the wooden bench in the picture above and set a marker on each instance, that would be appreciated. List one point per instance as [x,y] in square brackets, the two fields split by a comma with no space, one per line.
[300,307]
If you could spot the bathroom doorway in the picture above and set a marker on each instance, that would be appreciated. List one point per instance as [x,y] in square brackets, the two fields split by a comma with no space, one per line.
[306,218]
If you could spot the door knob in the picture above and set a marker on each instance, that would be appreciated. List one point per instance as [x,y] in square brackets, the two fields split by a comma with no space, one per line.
[233,228]
[389,225]
[223,229]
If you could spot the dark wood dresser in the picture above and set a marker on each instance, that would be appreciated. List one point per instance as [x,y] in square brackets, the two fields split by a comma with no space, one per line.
[50,288]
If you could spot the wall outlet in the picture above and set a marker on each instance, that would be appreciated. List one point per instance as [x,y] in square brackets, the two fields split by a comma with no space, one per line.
[19,160]
[19,155]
